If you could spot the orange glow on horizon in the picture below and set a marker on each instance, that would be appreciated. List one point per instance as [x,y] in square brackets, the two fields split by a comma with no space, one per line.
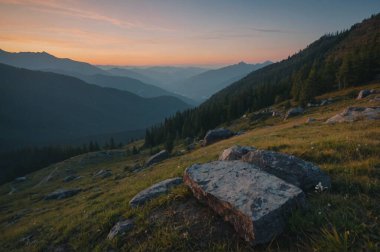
[150,32]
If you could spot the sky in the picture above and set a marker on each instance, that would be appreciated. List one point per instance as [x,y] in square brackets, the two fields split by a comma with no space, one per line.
[174,32]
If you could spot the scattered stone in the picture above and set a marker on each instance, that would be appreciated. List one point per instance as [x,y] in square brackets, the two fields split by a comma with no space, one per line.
[62,194]
[215,135]
[240,132]
[376,99]
[71,178]
[256,203]
[364,93]
[190,147]
[121,228]
[13,189]
[136,168]
[294,112]
[20,179]
[276,114]
[352,114]
[326,102]
[235,152]
[310,120]
[154,191]
[103,174]
[311,105]
[293,170]
[158,157]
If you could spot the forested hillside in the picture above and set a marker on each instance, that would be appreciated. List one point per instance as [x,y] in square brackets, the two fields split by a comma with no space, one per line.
[334,61]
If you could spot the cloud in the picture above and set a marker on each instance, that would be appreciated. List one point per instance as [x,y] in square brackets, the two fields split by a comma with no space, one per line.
[62,8]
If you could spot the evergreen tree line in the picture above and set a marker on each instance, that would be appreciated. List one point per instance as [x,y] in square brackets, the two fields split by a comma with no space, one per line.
[334,61]
[20,162]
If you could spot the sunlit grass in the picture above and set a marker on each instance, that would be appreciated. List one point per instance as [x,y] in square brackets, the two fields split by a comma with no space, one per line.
[345,218]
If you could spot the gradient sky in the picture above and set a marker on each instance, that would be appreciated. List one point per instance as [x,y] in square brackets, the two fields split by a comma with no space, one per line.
[173,32]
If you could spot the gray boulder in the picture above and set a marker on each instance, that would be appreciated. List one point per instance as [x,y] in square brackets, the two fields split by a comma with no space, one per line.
[289,168]
[365,92]
[158,157]
[256,203]
[235,152]
[293,112]
[352,114]
[103,174]
[154,191]
[62,194]
[215,135]
[121,228]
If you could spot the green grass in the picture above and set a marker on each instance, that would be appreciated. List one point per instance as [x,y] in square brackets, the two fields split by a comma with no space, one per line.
[345,218]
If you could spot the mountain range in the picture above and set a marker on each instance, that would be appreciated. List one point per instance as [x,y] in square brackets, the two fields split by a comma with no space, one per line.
[47,108]
[334,61]
[45,62]
[202,86]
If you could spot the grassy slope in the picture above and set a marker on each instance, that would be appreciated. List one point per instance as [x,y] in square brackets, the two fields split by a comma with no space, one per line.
[347,217]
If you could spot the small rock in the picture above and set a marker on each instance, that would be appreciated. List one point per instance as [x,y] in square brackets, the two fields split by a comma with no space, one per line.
[275,113]
[20,179]
[103,174]
[158,157]
[310,105]
[190,147]
[235,152]
[294,112]
[256,203]
[240,132]
[121,228]
[364,93]
[154,191]
[70,178]
[310,120]
[62,194]
[376,99]
[352,114]
[215,135]
[293,170]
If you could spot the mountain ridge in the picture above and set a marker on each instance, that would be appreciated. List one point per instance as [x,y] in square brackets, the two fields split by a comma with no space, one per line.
[40,107]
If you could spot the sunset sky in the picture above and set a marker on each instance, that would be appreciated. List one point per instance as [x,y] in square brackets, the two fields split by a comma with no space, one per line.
[173,32]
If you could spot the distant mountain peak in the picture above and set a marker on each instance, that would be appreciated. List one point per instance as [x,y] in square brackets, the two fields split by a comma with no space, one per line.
[242,63]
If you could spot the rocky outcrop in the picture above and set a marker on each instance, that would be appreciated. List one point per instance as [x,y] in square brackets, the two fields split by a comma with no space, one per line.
[235,152]
[62,194]
[103,174]
[255,202]
[121,228]
[154,191]
[289,168]
[365,92]
[158,157]
[293,112]
[352,114]
[215,135]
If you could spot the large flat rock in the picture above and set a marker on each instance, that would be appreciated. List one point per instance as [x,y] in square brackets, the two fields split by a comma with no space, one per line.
[256,203]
